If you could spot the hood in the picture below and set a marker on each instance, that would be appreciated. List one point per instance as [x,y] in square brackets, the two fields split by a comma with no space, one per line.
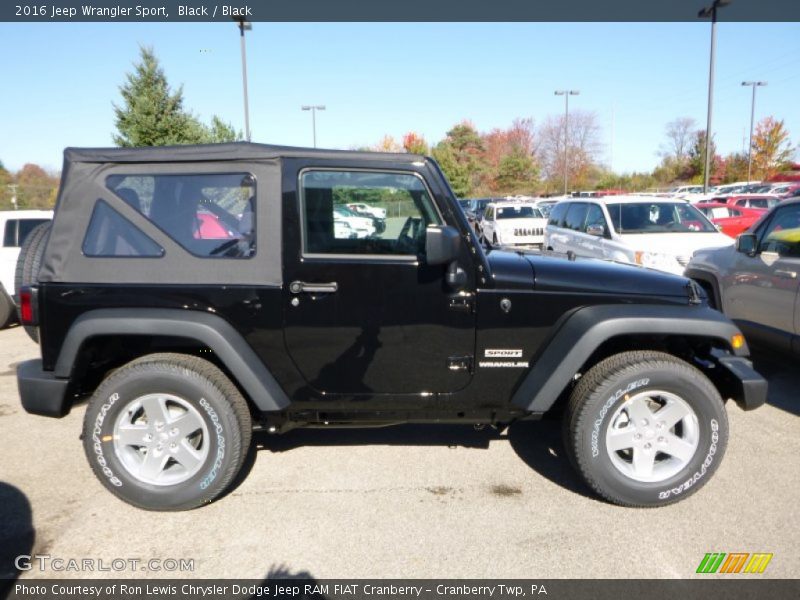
[519,270]
[675,244]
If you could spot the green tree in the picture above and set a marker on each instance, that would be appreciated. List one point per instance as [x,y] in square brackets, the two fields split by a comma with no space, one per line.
[695,171]
[219,131]
[516,172]
[153,114]
[457,174]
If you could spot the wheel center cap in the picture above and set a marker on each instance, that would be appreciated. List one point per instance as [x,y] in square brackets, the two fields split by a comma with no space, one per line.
[649,434]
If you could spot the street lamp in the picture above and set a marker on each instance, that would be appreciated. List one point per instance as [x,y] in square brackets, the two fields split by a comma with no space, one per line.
[566,94]
[314,108]
[710,11]
[754,85]
[244,26]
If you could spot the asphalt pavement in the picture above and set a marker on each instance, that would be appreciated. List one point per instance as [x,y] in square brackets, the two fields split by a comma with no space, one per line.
[410,501]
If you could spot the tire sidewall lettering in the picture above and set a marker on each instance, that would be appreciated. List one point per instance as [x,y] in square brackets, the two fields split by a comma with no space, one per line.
[97,442]
[216,467]
[609,403]
[702,470]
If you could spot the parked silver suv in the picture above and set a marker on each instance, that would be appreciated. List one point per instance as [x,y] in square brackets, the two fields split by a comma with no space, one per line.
[660,233]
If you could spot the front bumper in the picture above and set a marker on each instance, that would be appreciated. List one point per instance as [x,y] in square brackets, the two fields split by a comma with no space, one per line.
[41,392]
[749,388]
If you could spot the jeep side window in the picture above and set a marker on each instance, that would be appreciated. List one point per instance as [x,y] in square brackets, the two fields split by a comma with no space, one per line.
[398,211]
[210,215]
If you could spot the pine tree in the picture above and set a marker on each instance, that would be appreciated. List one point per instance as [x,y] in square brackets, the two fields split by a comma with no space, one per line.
[153,114]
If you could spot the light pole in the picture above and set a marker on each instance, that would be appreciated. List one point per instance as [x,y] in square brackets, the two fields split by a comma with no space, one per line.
[754,85]
[710,11]
[566,94]
[244,26]
[314,108]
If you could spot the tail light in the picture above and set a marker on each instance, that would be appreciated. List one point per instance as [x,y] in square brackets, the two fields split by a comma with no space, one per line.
[27,306]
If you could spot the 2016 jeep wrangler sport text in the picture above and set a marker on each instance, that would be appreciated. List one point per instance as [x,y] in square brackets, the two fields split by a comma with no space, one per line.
[197,292]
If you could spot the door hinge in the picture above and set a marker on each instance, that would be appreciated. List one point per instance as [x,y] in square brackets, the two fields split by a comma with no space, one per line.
[460,363]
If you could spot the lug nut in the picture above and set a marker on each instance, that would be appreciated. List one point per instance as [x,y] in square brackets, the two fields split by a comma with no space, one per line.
[173,431]
[648,445]
[637,436]
[661,439]
[645,422]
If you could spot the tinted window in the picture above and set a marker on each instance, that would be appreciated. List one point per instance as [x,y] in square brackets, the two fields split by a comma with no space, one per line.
[10,233]
[209,215]
[575,216]
[557,214]
[331,228]
[111,234]
[782,234]
[658,217]
[518,212]
[596,218]
[18,229]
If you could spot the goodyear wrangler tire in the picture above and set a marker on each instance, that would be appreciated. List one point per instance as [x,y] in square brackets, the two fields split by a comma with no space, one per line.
[645,429]
[29,263]
[167,432]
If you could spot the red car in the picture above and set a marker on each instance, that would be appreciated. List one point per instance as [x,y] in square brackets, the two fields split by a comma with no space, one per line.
[752,201]
[731,220]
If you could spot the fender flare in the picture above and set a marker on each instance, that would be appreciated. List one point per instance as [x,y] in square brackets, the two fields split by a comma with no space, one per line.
[581,333]
[209,329]
[710,279]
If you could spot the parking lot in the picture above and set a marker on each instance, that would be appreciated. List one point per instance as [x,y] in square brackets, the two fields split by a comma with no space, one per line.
[411,501]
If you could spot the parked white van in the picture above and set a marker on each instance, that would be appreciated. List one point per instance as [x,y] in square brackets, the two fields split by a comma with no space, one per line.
[15,225]
[659,233]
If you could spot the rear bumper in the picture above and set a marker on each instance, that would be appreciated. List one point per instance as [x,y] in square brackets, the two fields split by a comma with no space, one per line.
[41,392]
[752,387]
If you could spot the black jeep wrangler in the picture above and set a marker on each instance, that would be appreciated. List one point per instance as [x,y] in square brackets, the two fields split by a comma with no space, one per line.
[196,293]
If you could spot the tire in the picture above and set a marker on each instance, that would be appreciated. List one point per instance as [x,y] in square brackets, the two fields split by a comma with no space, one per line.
[7,309]
[28,265]
[673,456]
[202,456]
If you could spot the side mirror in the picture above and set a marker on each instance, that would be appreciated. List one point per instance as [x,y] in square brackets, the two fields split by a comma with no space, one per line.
[441,244]
[596,230]
[747,243]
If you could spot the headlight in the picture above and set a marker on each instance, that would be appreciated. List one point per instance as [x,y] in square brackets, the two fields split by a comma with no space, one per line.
[656,260]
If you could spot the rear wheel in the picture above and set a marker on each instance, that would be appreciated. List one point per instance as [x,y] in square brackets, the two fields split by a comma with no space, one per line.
[645,429]
[29,263]
[167,432]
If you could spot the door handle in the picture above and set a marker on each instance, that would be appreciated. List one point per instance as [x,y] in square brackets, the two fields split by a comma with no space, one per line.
[786,274]
[297,287]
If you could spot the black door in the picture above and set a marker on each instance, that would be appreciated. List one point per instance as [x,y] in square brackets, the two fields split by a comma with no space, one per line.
[364,313]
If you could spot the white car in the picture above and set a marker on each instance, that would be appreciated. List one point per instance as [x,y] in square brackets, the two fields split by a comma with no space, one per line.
[366,209]
[513,224]
[362,226]
[659,233]
[15,225]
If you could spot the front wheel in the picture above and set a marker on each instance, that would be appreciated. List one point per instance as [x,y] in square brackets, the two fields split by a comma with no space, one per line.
[167,432]
[645,429]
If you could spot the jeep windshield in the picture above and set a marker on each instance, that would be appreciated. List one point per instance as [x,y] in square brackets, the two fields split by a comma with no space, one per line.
[518,212]
[658,217]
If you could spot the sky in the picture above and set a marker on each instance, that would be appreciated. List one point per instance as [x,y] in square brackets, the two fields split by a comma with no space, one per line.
[60,80]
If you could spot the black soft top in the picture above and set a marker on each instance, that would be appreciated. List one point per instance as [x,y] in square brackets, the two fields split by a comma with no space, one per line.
[217,152]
